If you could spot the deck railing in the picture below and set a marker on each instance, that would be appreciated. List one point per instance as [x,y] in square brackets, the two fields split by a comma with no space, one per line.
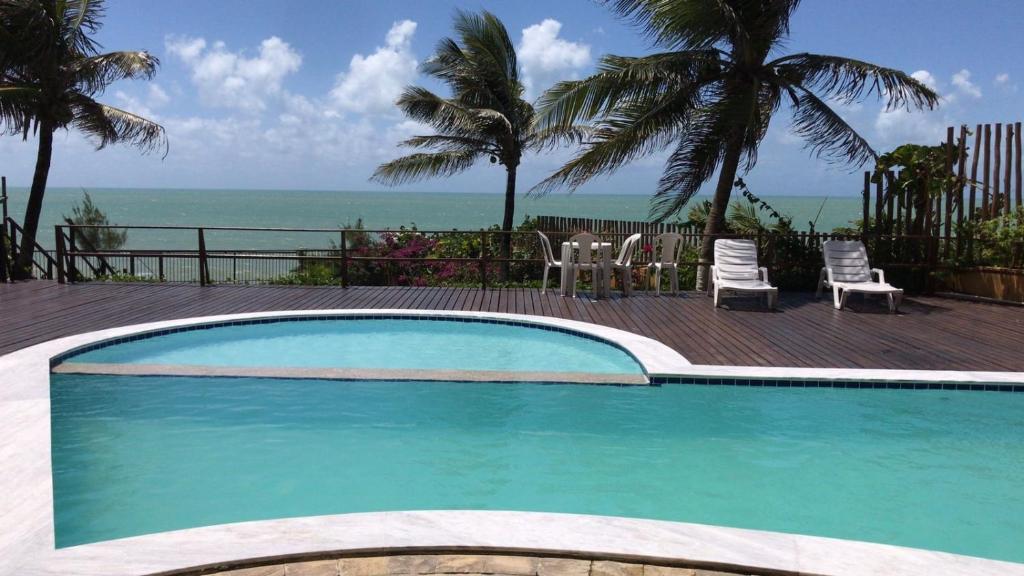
[347,257]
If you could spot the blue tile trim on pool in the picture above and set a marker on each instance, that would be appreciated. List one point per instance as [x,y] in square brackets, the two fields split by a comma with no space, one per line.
[58,359]
[859,384]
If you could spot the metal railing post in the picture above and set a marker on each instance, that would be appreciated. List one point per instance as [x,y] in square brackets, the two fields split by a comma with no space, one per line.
[483,259]
[61,254]
[203,274]
[72,268]
[344,260]
[3,195]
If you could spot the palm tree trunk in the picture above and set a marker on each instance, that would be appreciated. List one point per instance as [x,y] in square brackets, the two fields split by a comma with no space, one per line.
[507,222]
[719,204]
[23,267]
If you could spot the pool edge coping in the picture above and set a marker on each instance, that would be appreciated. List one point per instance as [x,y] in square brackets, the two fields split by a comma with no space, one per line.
[26,525]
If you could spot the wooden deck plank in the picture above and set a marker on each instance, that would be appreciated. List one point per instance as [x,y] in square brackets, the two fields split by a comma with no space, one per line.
[932,333]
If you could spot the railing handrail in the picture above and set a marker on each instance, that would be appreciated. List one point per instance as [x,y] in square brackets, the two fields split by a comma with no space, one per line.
[695,233]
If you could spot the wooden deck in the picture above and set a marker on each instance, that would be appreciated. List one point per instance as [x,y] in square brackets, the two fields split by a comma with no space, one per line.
[930,333]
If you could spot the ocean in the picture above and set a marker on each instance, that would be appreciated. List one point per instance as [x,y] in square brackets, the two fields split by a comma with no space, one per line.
[378,210]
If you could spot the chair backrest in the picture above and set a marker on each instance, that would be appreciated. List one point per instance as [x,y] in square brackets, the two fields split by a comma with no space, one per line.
[583,251]
[545,247]
[736,259]
[667,247]
[626,252]
[848,260]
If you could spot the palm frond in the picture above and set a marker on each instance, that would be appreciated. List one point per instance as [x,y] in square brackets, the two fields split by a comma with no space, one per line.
[623,79]
[743,218]
[449,116]
[555,136]
[681,24]
[443,143]
[481,66]
[423,165]
[691,164]
[690,24]
[17,108]
[110,125]
[80,20]
[827,134]
[486,39]
[93,74]
[635,130]
[849,80]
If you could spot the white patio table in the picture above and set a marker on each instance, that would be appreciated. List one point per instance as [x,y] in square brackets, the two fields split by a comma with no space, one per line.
[604,250]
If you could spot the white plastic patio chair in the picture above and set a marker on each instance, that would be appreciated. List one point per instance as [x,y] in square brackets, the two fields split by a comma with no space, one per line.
[736,271]
[584,247]
[624,263]
[667,247]
[846,270]
[549,260]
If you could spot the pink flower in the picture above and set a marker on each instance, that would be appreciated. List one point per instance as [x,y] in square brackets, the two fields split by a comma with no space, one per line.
[648,248]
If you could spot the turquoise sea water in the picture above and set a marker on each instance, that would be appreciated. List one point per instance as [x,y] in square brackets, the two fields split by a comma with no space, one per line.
[390,343]
[330,209]
[931,469]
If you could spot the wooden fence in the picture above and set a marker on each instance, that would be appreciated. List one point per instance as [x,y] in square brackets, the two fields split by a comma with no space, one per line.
[981,180]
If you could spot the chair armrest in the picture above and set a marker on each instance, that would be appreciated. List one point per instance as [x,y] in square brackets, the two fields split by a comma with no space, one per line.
[828,274]
[764,273]
[880,273]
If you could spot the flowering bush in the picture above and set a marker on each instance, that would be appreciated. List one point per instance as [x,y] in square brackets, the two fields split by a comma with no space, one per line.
[408,257]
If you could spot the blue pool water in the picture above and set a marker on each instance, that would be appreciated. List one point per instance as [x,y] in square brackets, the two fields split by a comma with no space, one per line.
[376,343]
[931,469]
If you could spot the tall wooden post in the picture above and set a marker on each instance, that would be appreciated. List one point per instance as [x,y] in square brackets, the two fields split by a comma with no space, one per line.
[997,164]
[866,217]
[1020,171]
[961,165]
[974,172]
[986,177]
[1009,169]
[947,177]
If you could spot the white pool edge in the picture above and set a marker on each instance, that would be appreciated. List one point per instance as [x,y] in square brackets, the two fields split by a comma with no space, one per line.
[26,511]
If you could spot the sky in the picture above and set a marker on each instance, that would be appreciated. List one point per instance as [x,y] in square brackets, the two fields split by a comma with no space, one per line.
[299,95]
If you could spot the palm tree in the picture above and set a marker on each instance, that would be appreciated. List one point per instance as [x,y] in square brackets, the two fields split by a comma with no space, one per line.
[485,117]
[709,95]
[51,70]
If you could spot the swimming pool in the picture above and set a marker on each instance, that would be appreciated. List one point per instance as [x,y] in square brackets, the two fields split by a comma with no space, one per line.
[932,469]
[383,342]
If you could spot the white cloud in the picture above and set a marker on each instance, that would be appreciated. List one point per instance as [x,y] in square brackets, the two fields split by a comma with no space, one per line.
[546,58]
[373,83]
[962,81]
[1002,81]
[232,80]
[157,96]
[900,125]
[925,77]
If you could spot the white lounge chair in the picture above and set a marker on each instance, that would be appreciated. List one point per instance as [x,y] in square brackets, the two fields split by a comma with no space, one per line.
[584,248]
[549,260]
[624,263]
[667,247]
[846,270]
[736,271]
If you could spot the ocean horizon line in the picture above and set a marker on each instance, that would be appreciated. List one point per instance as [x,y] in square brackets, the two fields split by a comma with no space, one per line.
[12,187]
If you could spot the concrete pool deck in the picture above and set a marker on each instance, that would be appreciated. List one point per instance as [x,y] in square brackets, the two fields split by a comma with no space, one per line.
[26,512]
